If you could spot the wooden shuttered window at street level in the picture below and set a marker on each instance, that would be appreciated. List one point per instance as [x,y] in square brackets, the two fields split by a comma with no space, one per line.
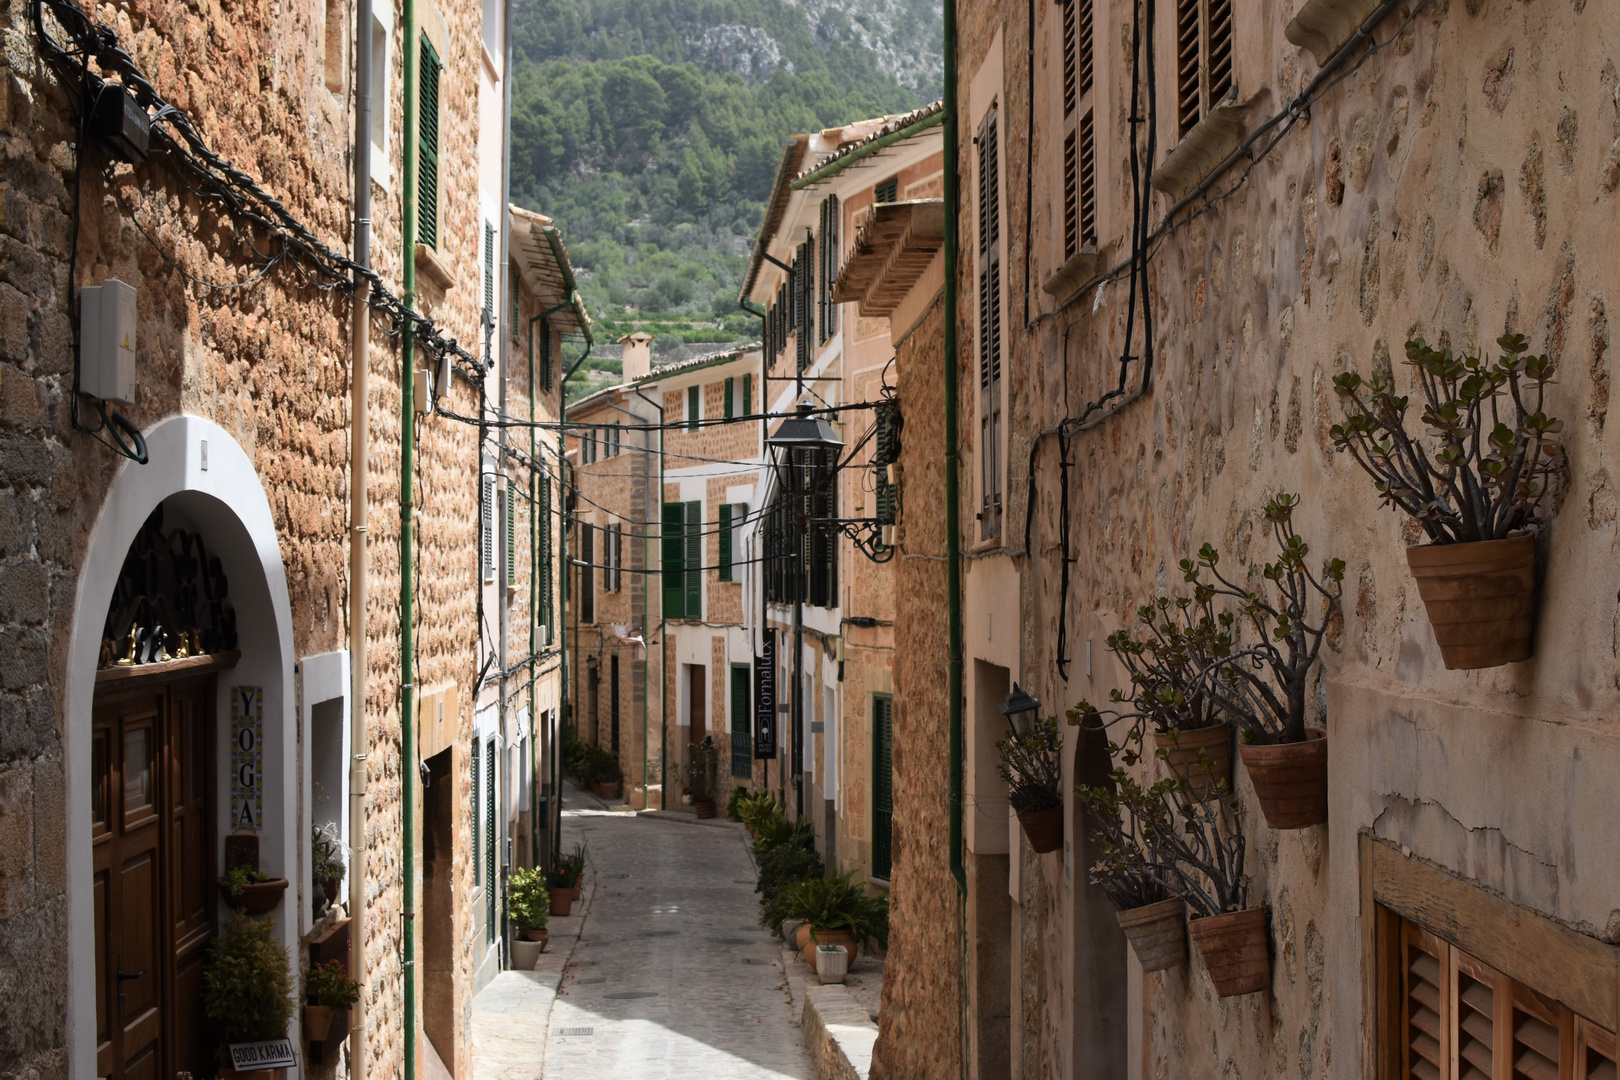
[1203,58]
[672,557]
[587,573]
[826,306]
[882,785]
[742,718]
[490,897]
[427,147]
[1456,1017]
[486,527]
[990,403]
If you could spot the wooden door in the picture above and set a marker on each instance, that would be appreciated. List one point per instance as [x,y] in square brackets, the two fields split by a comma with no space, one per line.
[154,900]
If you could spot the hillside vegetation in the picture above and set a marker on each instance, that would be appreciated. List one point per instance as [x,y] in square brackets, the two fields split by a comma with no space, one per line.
[651,131]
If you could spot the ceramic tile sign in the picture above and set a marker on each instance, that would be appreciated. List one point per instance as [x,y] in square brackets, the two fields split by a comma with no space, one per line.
[247,757]
[269,1054]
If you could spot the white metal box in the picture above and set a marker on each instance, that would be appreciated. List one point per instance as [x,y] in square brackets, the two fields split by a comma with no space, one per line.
[107,341]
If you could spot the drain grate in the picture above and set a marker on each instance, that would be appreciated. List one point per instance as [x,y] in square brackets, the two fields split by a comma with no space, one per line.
[577,1031]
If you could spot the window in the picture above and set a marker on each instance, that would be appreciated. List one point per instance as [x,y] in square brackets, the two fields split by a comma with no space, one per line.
[888,191]
[742,721]
[336,65]
[805,274]
[587,573]
[884,454]
[489,274]
[613,441]
[882,785]
[748,394]
[543,556]
[486,527]
[380,72]
[732,515]
[694,407]
[1451,1006]
[517,315]
[612,558]
[492,30]
[730,398]
[511,533]
[1203,59]
[545,353]
[990,403]
[475,759]
[682,557]
[802,563]
[427,148]
[1079,141]
[489,840]
[827,251]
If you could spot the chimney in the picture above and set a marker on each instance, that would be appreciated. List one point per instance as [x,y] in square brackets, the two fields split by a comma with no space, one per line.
[637,362]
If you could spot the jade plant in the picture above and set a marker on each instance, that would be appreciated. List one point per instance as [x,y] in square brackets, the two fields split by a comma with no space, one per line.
[1180,638]
[247,987]
[1263,684]
[1032,768]
[1491,451]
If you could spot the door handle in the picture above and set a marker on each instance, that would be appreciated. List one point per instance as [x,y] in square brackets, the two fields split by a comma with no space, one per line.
[123,978]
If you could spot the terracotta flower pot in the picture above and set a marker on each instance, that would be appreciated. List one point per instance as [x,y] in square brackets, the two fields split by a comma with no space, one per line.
[1158,933]
[542,936]
[1234,948]
[1182,756]
[704,807]
[606,790]
[317,1022]
[1480,599]
[259,898]
[1044,829]
[562,900]
[526,954]
[801,935]
[1291,780]
[330,887]
[826,937]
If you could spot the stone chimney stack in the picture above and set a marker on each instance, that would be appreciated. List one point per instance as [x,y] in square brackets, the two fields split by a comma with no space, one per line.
[637,361]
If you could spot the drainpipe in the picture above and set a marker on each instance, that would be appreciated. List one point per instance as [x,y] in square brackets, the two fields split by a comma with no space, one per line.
[663,652]
[359,447]
[566,572]
[407,575]
[953,490]
[534,601]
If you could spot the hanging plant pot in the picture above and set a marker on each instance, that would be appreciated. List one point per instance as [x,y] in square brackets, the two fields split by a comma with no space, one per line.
[1158,933]
[258,898]
[1290,780]
[317,1022]
[1234,948]
[1044,828]
[1480,599]
[1182,756]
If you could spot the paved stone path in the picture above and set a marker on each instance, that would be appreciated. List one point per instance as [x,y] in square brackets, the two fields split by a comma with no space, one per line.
[670,977]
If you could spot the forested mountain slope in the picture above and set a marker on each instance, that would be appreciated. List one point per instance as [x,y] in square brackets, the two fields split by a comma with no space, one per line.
[650,130]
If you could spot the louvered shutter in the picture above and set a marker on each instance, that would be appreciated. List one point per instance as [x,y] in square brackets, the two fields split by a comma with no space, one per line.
[1596,1052]
[475,760]
[990,404]
[748,394]
[742,738]
[730,398]
[886,454]
[804,268]
[672,553]
[826,308]
[1070,55]
[882,786]
[489,840]
[587,573]
[544,532]
[694,560]
[1189,95]
[1071,194]
[511,534]
[1542,1032]
[888,191]
[545,356]
[694,401]
[1087,184]
[486,528]
[489,272]
[427,147]
[725,541]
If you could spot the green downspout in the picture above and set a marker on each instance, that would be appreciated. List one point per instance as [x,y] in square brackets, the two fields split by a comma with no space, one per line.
[953,489]
[534,610]
[407,599]
[663,653]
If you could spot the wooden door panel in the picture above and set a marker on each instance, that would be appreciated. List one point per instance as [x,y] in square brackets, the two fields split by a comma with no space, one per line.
[104,990]
[137,957]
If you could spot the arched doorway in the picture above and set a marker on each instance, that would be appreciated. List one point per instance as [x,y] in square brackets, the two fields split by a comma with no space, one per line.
[182,607]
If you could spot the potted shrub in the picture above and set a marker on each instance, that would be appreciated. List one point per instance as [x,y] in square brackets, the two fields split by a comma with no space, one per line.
[247,989]
[704,773]
[607,779]
[1475,485]
[1264,684]
[528,904]
[1032,767]
[250,892]
[784,856]
[328,857]
[563,882]
[327,990]
[837,911]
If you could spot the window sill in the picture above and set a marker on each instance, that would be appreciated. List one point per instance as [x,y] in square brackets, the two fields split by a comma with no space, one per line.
[1323,26]
[1080,268]
[989,543]
[429,266]
[1198,155]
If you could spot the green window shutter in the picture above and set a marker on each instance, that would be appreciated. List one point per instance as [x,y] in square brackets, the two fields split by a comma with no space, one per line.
[725,540]
[477,793]
[694,560]
[545,556]
[427,147]
[674,560]
[489,271]
[748,393]
[513,285]
[882,785]
[693,403]
[742,715]
[489,839]
[729,411]
[545,355]
[511,534]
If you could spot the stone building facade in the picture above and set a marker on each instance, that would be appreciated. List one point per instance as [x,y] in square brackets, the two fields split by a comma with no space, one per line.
[244,331]
[1449,175]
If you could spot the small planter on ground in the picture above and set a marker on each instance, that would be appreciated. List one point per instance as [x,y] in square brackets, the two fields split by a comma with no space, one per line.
[563,883]
[247,986]
[1475,484]
[832,962]
[528,905]
[703,771]
[838,911]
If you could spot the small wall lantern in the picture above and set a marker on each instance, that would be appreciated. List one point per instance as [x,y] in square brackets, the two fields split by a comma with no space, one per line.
[1021,710]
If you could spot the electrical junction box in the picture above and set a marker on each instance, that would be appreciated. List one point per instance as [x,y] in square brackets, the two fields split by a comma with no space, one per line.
[107,341]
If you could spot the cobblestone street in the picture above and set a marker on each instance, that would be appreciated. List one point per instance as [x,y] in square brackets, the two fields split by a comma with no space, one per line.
[669,974]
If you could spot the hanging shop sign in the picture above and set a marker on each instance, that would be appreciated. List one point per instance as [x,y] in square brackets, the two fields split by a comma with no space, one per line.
[247,757]
[765,697]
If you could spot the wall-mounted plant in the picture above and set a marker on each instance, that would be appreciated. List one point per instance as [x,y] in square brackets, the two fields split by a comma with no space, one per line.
[1264,683]
[1031,766]
[1476,481]
[327,990]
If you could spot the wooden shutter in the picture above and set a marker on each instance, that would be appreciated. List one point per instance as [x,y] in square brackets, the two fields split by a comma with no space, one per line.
[1189,96]
[748,394]
[742,738]
[882,785]
[486,528]
[1219,50]
[1087,183]
[427,147]
[730,401]
[694,403]
[1070,56]
[1071,194]
[694,560]
[1082,46]
[511,534]
[587,573]
[673,557]
[990,404]
[725,540]
[544,535]
[477,793]
[545,355]
[888,191]
[490,859]
[804,273]
[1595,1051]
[827,308]
[885,454]
[489,272]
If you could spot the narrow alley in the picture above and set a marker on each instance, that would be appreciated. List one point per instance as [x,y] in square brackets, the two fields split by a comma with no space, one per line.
[664,968]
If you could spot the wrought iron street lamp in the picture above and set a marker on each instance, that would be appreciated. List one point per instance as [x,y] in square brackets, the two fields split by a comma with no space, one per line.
[1021,710]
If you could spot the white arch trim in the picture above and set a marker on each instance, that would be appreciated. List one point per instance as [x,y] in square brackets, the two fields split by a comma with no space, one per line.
[193,455]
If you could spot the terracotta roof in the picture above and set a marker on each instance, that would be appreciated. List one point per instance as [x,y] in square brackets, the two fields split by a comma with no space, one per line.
[893,249]
[542,258]
[793,152]
[890,125]
[694,364]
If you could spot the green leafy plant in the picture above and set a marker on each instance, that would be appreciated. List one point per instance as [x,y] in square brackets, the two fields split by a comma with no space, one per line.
[1491,451]
[838,903]
[327,852]
[1032,767]
[528,903]
[779,831]
[247,984]
[329,984]
[1180,638]
[789,855]
[569,870]
[1263,684]
[734,802]
[238,878]
[703,770]
[757,811]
